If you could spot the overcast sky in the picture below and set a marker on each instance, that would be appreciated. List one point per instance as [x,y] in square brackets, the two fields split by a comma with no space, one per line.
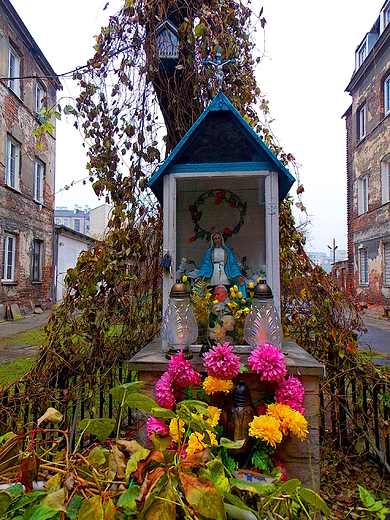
[308,61]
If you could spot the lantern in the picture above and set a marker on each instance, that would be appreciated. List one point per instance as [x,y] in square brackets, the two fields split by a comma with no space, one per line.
[262,324]
[179,328]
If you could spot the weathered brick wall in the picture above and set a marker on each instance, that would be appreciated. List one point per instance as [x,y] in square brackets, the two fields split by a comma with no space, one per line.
[370,230]
[20,215]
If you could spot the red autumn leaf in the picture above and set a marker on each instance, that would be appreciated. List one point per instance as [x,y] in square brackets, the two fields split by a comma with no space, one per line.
[217,201]
[29,471]
[227,231]
[232,205]
[192,239]
[219,194]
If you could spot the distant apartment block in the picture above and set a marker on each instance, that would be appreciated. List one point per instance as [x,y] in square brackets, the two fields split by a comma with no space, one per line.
[90,222]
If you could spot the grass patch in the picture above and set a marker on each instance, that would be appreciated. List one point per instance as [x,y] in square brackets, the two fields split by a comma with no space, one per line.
[14,369]
[33,337]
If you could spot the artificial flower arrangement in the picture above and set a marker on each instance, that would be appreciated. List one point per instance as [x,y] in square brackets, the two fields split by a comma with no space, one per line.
[223,314]
[280,415]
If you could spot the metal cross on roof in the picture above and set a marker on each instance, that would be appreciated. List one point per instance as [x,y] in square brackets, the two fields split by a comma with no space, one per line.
[218,65]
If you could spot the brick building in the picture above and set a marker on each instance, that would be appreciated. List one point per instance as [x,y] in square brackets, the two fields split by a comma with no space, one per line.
[368,166]
[27,83]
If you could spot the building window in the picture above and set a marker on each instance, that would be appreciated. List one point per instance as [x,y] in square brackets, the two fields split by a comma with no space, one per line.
[57,221]
[14,72]
[65,222]
[385,174]
[386,95]
[386,264]
[362,120]
[363,195]
[361,53]
[37,261]
[9,255]
[12,164]
[363,266]
[77,224]
[38,181]
[39,97]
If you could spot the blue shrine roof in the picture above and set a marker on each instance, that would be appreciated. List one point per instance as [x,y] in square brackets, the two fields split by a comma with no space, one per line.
[221,140]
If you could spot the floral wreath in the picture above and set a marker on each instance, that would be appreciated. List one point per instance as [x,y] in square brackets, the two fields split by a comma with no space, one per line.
[226,196]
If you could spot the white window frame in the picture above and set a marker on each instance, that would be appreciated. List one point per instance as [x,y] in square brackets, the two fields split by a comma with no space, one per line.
[39,96]
[386,264]
[363,267]
[39,175]
[363,195]
[362,122]
[14,72]
[9,257]
[57,221]
[361,53]
[65,222]
[385,180]
[79,224]
[36,261]
[386,95]
[12,164]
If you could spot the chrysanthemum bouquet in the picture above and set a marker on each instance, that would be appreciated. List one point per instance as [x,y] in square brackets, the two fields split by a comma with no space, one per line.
[284,416]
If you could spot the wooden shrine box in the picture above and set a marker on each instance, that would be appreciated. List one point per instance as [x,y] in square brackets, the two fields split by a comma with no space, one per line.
[221,176]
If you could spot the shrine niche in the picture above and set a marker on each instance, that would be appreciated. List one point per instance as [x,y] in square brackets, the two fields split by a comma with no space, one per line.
[221,177]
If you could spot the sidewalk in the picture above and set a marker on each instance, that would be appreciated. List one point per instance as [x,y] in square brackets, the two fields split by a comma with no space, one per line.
[9,328]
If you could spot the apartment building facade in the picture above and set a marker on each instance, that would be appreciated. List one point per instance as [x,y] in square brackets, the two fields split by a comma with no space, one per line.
[27,83]
[368,166]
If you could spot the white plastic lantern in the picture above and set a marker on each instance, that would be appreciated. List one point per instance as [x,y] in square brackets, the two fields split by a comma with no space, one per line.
[179,327]
[263,324]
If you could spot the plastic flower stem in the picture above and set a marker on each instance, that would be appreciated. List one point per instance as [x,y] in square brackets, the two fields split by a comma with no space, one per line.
[120,415]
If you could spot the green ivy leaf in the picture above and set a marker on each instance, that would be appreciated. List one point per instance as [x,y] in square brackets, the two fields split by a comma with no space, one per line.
[92,508]
[314,500]
[43,513]
[99,427]
[127,499]
[231,445]
[133,461]
[135,387]
[260,488]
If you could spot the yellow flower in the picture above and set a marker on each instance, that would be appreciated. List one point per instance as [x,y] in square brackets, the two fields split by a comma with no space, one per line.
[215,302]
[239,295]
[174,426]
[251,285]
[212,384]
[213,439]
[298,425]
[217,332]
[243,301]
[246,310]
[259,279]
[228,322]
[266,428]
[232,305]
[208,295]
[235,288]
[231,290]
[281,412]
[215,414]
[184,279]
[195,443]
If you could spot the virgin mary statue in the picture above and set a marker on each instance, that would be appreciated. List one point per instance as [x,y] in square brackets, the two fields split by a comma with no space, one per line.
[220,266]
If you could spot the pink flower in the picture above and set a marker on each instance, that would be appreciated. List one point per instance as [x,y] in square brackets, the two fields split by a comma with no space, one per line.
[164,391]
[279,464]
[181,372]
[268,361]
[291,392]
[155,425]
[221,362]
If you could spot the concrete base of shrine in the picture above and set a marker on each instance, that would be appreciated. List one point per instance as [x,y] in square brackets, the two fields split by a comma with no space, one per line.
[301,458]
